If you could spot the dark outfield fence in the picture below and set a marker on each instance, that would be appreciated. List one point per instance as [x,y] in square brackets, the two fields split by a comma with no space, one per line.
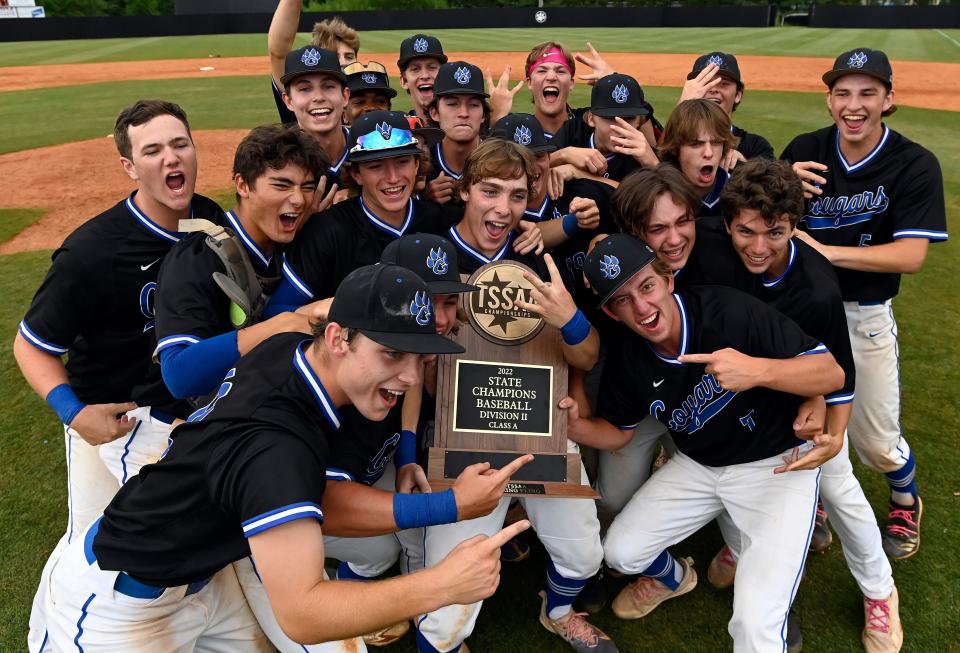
[926,17]
[211,22]
[222,17]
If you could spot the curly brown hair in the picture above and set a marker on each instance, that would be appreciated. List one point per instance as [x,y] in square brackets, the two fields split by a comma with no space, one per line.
[770,187]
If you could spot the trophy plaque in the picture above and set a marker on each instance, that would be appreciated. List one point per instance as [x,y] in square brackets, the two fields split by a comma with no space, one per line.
[498,399]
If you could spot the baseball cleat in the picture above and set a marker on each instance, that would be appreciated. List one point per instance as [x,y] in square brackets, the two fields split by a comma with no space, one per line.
[641,597]
[882,631]
[723,569]
[902,537]
[580,634]
[822,537]
[388,635]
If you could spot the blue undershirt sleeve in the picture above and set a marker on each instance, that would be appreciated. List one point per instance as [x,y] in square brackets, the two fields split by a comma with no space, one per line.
[195,370]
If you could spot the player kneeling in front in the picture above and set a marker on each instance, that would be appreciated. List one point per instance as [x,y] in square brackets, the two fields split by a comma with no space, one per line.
[245,476]
[725,373]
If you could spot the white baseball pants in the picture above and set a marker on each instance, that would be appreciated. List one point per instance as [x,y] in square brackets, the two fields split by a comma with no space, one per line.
[774,512]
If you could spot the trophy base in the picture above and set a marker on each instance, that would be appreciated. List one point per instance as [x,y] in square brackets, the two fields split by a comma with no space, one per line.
[547,475]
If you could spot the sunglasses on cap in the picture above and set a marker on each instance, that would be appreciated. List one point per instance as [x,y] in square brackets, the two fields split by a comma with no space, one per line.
[377,140]
[370,67]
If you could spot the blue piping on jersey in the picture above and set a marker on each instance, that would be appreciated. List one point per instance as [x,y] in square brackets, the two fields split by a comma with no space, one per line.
[593,146]
[319,392]
[335,169]
[282,515]
[773,283]
[40,343]
[334,474]
[819,349]
[839,398]
[150,224]
[248,242]
[865,160]
[299,284]
[537,216]
[933,236]
[443,164]
[803,562]
[722,178]
[684,334]
[467,249]
[385,226]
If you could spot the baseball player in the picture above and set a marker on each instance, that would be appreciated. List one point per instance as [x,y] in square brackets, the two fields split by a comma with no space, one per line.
[201,328]
[331,34]
[153,574]
[574,215]
[730,414]
[421,56]
[385,159]
[608,141]
[761,206]
[314,89]
[697,139]
[875,204]
[715,76]
[497,180]
[96,305]
[459,107]
[369,89]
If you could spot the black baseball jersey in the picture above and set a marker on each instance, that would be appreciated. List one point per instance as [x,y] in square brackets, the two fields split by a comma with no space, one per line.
[335,167]
[715,427]
[895,192]
[809,294]
[753,146]
[348,236]
[250,460]
[570,254]
[439,165]
[577,115]
[577,133]
[363,448]
[96,305]
[713,260]
[470,259]
[190,305]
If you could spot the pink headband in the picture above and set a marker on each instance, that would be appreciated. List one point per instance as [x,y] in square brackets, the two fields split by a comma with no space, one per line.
[553,55]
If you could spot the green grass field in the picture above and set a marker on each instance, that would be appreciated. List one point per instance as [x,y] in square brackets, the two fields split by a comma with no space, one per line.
[909,44]
[32,496]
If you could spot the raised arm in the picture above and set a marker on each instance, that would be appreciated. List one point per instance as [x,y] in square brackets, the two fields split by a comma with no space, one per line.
[282,34]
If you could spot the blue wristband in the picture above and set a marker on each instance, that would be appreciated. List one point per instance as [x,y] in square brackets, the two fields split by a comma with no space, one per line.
[576,330]
[419,510]
[406,452]
[65,403]
[570,226]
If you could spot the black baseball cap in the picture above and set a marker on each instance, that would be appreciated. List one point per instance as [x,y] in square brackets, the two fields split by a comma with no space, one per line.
[523,129]
[381,135]
[390,305]
[726,62]
[459,78]
[861,61]
[420,45]
[370,80]
[309,60]
[434,258]
[617,95]
[614,261]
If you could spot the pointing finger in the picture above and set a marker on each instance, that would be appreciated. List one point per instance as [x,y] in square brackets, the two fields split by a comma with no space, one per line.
[495,541]
[706,359]
[511,468]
